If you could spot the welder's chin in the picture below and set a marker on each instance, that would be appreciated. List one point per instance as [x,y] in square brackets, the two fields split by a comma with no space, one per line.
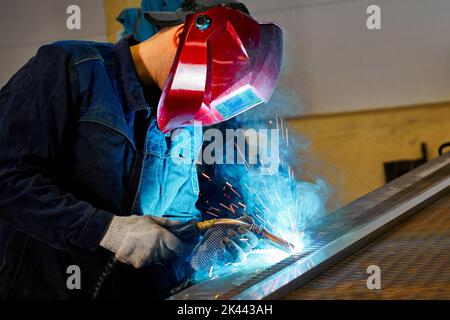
[162,83]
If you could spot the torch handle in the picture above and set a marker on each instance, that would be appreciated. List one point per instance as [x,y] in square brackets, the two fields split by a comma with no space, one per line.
[262,233]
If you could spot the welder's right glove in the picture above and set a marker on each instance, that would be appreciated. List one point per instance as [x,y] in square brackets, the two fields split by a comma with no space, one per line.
[143,240]
[222,245]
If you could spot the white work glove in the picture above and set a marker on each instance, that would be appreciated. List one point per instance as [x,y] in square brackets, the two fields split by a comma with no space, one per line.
[143,240]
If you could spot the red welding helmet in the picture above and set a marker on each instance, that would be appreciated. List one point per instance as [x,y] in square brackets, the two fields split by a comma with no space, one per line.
[226,63]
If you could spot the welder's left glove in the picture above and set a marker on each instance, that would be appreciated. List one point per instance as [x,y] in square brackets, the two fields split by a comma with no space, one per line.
[144,240]
[239,243]
[221,245]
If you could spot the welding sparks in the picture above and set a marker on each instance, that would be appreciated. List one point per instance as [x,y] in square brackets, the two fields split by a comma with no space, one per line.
[287,137]
[235,192]
[243,206]
[212,214]
[277,202]
[211,271]
[230,208]
[206,176]
[260,218]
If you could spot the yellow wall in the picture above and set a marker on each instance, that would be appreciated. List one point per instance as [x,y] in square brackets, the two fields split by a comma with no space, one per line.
[349,149]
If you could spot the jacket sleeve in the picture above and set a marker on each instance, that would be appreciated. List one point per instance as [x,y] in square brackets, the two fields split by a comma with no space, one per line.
[36,107]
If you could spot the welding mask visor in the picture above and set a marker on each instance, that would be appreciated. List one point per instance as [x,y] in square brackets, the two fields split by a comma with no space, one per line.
[226,63]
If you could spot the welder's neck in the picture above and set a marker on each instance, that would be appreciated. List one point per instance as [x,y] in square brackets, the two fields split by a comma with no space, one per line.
[145,69]
[154,57]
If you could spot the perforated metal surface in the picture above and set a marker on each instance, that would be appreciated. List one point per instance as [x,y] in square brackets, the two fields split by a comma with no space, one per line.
[414,259]
[340,234]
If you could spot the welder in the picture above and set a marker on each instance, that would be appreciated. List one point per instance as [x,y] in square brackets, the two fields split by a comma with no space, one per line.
[88,170]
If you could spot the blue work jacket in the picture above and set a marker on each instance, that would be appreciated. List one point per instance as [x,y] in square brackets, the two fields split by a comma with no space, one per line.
[78,144]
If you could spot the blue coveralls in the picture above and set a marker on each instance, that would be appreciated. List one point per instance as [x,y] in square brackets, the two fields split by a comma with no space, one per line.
[79,143]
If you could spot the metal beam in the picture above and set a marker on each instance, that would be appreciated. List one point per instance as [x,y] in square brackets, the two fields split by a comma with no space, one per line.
[343,233]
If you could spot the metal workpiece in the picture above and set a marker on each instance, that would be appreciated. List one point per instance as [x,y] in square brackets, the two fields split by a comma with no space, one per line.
[341,234]
[411,262]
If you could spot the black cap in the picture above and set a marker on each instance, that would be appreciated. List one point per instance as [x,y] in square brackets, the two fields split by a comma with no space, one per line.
[170,19]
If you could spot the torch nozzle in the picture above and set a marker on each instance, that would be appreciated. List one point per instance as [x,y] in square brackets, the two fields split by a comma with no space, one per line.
[262,233]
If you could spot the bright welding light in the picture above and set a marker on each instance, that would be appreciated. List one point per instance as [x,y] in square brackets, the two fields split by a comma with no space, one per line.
[298,244]
[268,256]
[284,206]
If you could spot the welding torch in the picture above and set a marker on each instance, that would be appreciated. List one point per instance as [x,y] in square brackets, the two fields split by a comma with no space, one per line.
[180,231]
[190,230]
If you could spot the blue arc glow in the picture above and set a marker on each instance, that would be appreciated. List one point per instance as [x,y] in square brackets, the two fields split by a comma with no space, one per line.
[278,202]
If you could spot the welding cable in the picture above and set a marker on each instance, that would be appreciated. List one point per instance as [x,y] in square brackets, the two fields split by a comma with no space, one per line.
[187,232]
[109,268]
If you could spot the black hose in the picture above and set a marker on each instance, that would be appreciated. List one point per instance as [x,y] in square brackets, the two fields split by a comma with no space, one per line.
[109,268]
